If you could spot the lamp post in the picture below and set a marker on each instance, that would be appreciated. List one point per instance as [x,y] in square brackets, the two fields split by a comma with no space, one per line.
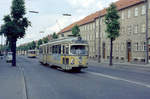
[99,41]
[146,35]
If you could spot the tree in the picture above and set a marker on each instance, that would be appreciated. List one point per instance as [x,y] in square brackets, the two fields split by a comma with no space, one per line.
[15,25]
[55,36]
[76,31]
[33,45]
[112,26]
[45,40]
[39,43]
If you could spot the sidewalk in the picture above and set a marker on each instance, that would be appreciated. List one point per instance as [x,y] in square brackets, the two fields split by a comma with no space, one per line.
[120,65]
[11,82]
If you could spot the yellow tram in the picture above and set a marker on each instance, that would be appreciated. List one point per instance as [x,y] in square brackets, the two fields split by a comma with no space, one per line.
[69,53]
[31,53]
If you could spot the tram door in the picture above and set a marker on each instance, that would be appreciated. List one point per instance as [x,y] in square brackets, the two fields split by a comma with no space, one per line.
[65,53]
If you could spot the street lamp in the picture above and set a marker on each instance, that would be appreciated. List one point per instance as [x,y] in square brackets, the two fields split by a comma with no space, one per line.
[33,11]
[64,14]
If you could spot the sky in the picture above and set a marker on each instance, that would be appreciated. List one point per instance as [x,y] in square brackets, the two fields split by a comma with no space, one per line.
[50,18]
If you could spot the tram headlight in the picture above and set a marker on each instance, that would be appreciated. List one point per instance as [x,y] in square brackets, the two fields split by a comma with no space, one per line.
[72,61]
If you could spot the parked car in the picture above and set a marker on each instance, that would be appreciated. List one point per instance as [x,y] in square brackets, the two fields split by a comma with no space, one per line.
[1,56]
[9,57]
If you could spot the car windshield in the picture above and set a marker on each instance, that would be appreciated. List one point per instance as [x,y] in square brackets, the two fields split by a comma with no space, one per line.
[9,53]
[79,49]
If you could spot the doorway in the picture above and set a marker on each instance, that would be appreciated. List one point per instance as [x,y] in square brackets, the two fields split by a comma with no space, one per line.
[129,51]
[104,48]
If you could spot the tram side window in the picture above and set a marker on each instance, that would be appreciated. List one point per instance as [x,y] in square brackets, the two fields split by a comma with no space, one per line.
[59,49]
[56,49]
[47,50]
[53,49]
[40,50]
[50,50]
[43,50]
[63,49]
[67,50]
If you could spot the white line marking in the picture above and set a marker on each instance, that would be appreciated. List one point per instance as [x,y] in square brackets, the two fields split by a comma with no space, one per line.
[23,81]
[121,79]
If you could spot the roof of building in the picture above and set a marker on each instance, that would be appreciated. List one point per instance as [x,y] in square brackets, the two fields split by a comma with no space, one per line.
[121,4]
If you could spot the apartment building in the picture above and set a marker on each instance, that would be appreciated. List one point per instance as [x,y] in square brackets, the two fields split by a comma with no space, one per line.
[130,46]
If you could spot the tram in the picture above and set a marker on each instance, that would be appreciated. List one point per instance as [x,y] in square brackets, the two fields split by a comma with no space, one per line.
[31,53]
[69,53]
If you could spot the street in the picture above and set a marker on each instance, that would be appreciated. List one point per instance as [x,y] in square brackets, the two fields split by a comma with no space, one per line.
[35,81]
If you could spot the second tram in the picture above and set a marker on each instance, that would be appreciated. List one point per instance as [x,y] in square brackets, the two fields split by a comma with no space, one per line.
[31,53]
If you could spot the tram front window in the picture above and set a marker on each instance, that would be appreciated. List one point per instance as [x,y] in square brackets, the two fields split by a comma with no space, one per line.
[32,52]
[79,49]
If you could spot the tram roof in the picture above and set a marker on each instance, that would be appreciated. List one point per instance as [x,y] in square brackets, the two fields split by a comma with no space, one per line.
[66,40]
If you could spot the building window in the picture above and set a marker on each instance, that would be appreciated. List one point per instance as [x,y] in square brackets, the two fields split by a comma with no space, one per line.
[143,9]
[129,13]
[97,23]
[129,29]
[122,15]
[136,12]
[136,29]
[101,21]
[93,25]
[87,38]
[122,46]
[136,46]
[123,30]
[143,28]
[117,47]
[143,46]
[96,34]
[149,4]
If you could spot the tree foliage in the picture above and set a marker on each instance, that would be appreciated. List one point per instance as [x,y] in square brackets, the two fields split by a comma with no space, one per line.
[112,26]
[28,46]
[45,40]
[54,36]
[112,22]
[75,31]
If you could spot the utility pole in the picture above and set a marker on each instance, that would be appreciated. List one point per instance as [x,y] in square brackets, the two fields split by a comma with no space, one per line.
[99,41]
[95,39]
[146,36]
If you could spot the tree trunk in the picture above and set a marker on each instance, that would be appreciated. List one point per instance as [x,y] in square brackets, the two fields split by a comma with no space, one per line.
[14,52]
[111,51]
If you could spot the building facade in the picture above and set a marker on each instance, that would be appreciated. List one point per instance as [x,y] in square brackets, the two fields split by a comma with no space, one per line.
[130,46]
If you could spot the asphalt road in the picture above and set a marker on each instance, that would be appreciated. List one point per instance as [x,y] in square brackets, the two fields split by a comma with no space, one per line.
[96,82]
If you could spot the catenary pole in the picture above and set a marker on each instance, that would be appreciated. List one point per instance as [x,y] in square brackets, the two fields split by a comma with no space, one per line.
[99,49]
[146,52]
